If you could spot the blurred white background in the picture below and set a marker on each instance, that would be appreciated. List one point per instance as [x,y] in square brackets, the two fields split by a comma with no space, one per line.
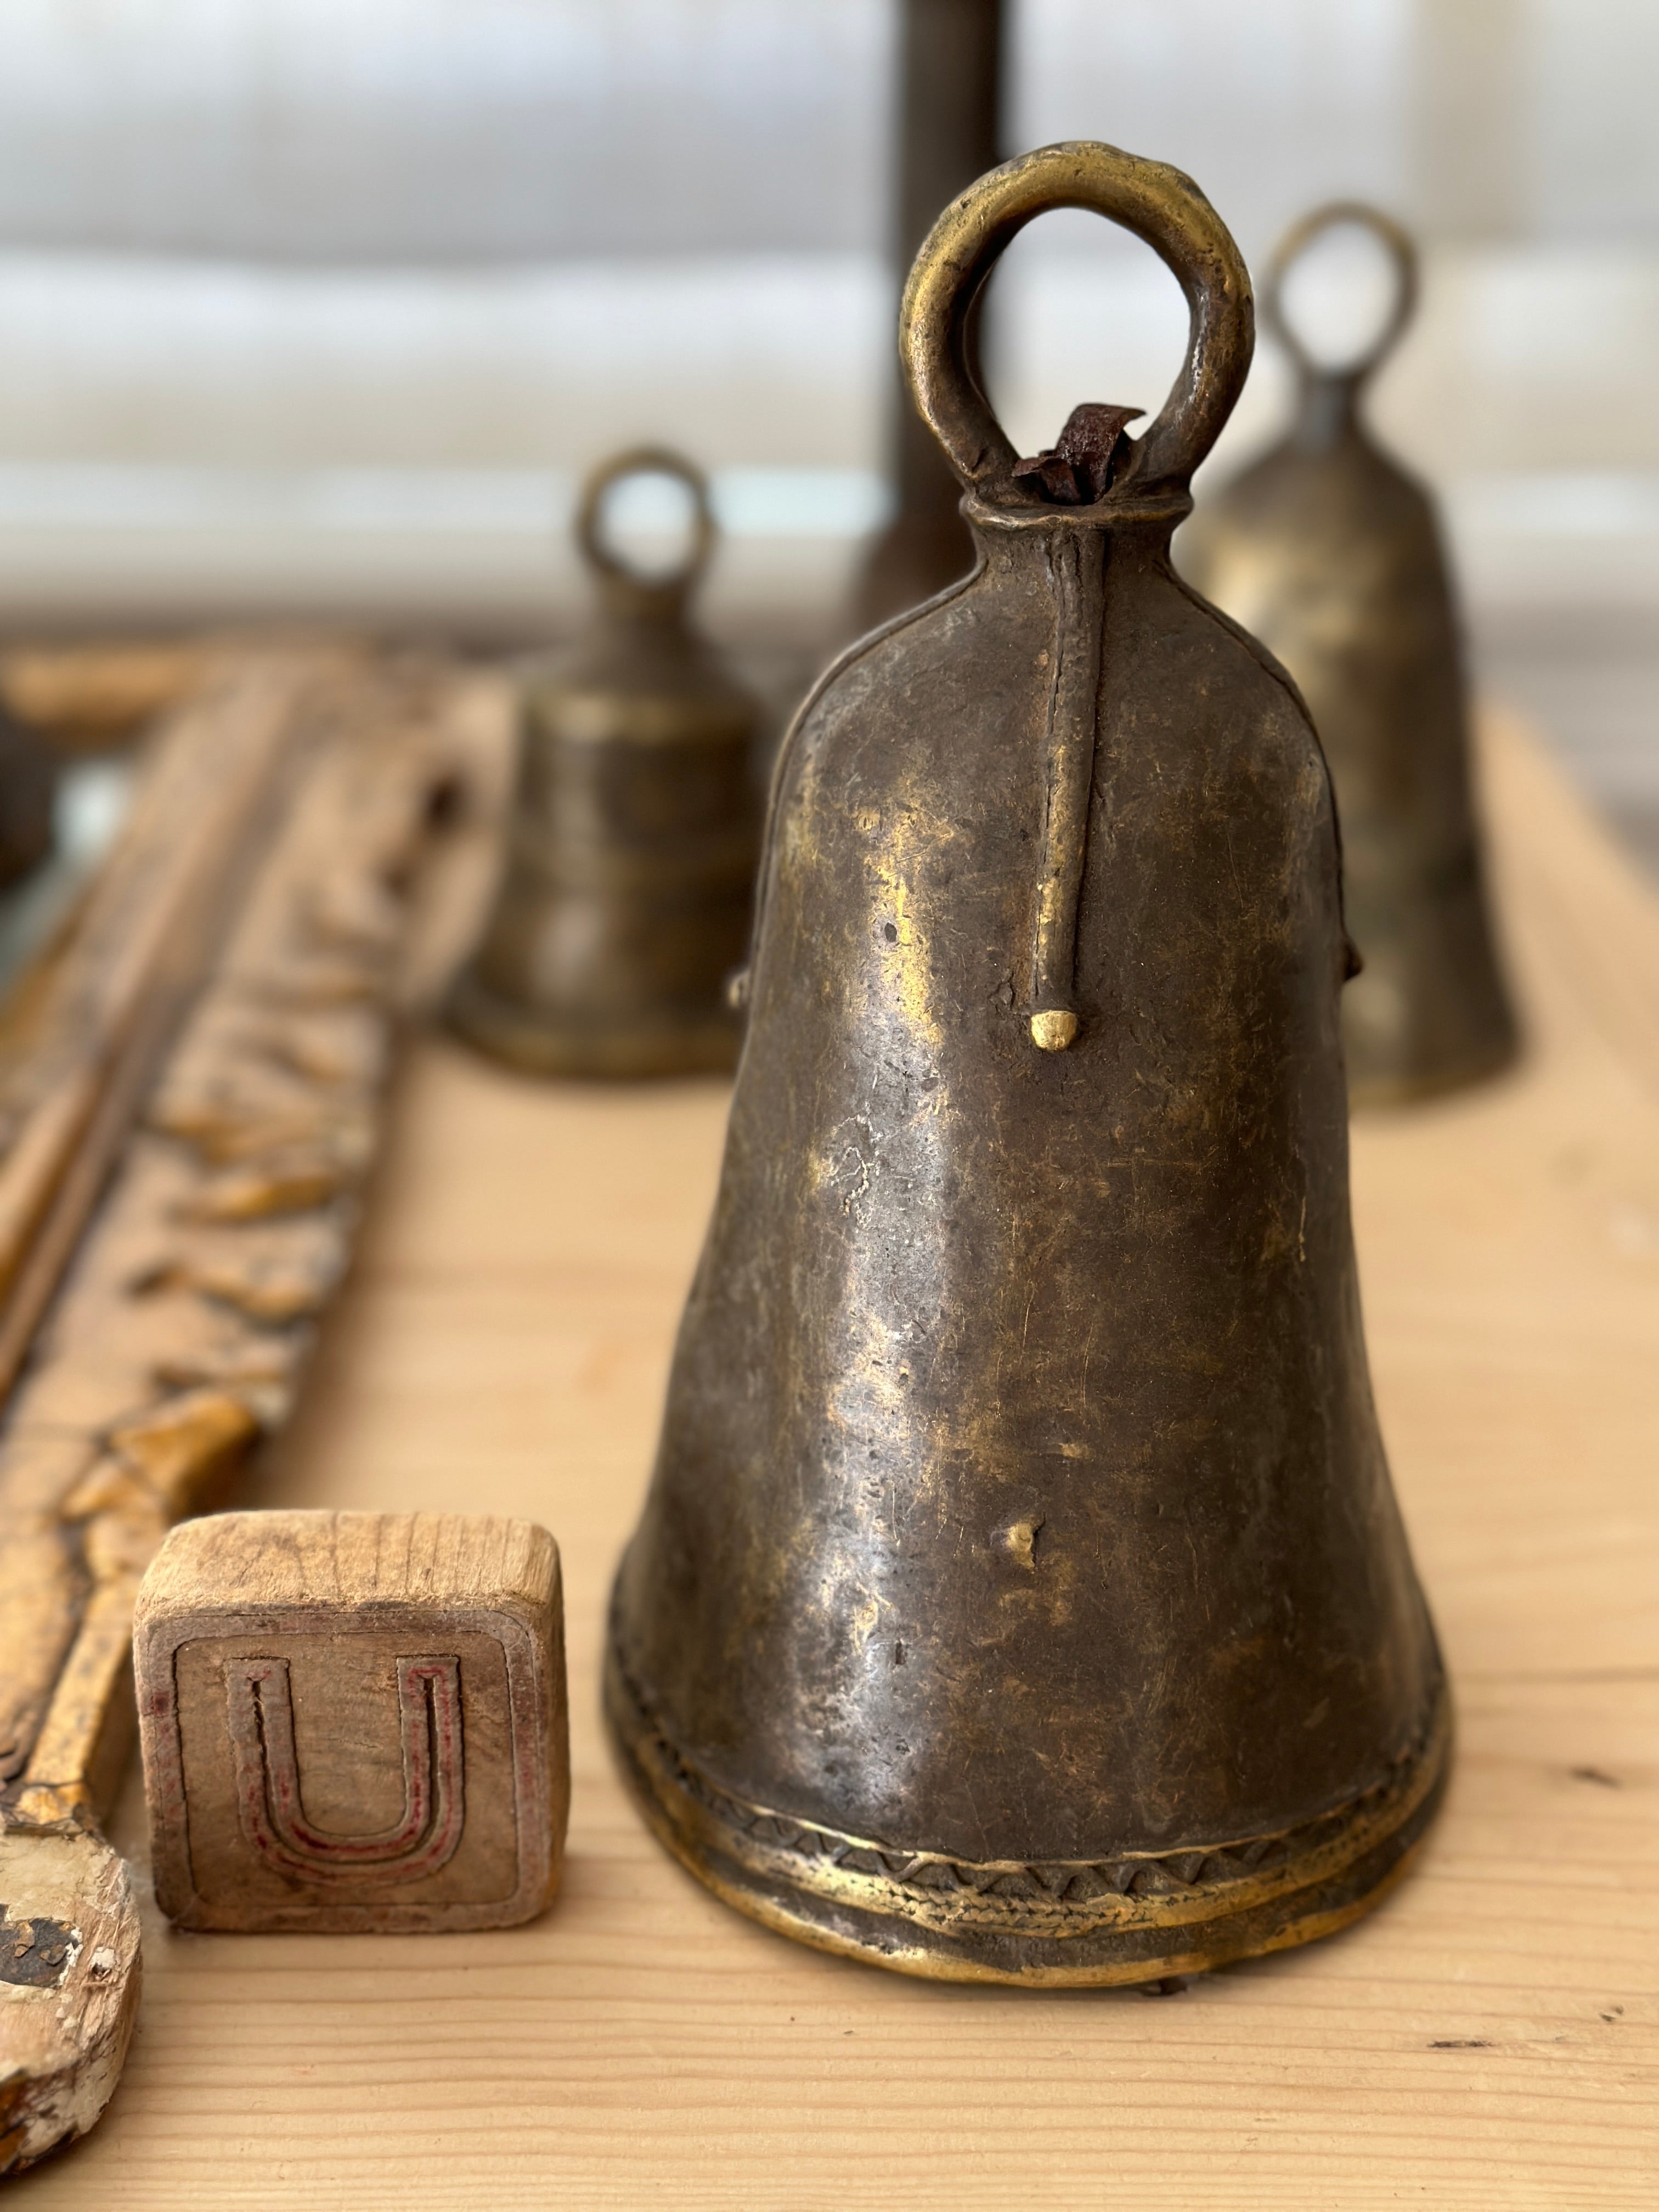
[318,308]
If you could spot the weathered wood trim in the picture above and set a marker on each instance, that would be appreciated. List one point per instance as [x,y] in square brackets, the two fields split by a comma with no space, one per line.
[194,1106]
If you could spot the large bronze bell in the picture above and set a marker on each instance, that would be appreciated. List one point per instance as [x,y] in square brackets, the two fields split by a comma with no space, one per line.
[1021,1595]
[624,903]
[1330,554]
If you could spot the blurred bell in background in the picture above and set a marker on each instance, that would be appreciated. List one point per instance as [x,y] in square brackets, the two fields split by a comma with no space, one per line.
[633,835]
[313,314]
[1329,553]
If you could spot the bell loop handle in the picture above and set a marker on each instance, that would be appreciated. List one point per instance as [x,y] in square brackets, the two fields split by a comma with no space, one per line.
[1160,207]
[1336,214]
[632,591]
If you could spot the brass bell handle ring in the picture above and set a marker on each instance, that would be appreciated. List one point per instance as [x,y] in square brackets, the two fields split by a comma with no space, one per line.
[641,461]
[1160,206]
[1337,214]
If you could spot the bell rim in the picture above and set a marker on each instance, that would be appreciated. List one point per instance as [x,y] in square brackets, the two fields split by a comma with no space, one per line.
[578,1043]
[1373,1839]
[1379,1089]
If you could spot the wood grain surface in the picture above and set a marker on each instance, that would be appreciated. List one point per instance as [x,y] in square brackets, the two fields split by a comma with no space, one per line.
[1490,2038]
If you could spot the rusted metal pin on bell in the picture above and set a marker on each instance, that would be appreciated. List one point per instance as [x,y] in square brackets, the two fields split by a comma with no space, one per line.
[1021,1596]
[624,903]
[1327,552]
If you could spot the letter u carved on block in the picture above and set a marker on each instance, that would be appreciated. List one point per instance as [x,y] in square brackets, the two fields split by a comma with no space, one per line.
[422,1839]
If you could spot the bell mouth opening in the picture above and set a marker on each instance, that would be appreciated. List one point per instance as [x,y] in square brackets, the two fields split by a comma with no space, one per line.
[1122,1920]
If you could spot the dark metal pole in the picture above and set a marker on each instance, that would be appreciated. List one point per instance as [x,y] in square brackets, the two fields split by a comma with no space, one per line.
[950,68]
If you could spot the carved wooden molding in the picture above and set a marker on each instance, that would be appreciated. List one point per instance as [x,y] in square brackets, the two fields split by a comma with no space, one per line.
[189,1103]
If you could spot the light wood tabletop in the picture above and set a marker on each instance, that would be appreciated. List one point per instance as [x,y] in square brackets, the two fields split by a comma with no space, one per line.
[1489,2038]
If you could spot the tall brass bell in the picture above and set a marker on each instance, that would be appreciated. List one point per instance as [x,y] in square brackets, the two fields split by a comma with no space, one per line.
[1021,1595]
[625,900]
[1330,554]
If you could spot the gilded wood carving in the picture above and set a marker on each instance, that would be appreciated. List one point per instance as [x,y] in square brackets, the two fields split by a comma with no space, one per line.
[189,1089]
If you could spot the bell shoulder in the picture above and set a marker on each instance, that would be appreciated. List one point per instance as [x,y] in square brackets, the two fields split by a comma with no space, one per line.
[1229,662]
[1350,514]
[923,686]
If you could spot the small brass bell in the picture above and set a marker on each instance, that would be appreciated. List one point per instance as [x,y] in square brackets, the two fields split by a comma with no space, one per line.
[1331,555]
[624,903]
[1021,1596]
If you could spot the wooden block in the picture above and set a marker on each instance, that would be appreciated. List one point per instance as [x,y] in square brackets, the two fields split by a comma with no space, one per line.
[354,1720]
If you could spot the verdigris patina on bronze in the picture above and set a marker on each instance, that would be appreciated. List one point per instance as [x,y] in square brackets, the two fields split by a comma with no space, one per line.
[1021,1595]
[1330,553]
[624,903]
